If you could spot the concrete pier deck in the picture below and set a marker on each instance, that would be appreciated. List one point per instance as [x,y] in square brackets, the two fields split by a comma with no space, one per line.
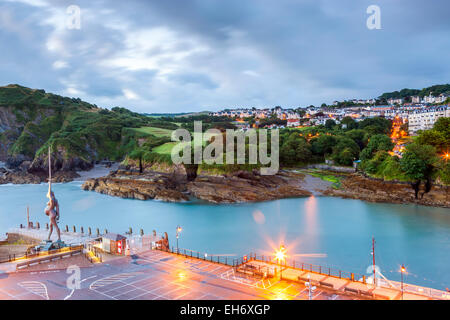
[70,238]
[152,274]
[383,291]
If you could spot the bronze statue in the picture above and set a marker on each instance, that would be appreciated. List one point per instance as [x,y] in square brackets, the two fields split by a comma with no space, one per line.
[52,209]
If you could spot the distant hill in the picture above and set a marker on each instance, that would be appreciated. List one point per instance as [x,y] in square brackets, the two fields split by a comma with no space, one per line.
[175,115]
[435,90]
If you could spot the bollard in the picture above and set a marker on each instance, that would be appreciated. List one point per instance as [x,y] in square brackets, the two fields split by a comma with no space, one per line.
[31,225]
[67,228]
[142,232]
[74,229]
[130,231]
[21,226]
[46,226]
[89,231]
[98,232]
[106,231]
[82,230]
[38,225]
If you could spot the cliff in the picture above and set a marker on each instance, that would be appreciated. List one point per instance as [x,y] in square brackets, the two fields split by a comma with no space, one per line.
[78,133]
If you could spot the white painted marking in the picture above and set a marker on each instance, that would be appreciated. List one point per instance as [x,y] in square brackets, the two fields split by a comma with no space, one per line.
[35,287]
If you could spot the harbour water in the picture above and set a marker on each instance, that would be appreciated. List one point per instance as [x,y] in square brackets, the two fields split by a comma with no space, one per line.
[342,229]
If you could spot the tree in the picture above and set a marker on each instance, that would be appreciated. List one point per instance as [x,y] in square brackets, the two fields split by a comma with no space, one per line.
[376,125]
[345,151]
[323,144]
[433,138]
[330,123]
[295,150]
[359,136]
[379,142]
[138,154]
[349,123]
[442,125]
[418,163]
[301,112]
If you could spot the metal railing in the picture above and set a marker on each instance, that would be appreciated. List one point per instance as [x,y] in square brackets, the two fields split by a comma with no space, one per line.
[16,257]
[302,266]
[415,289]
[225,260]
[49,258]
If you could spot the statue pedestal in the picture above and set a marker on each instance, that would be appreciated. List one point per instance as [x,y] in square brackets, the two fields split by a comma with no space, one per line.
[48,245]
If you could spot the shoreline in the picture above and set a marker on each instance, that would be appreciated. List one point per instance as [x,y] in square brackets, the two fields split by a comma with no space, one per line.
[22,177]
[357,186]
[244,187]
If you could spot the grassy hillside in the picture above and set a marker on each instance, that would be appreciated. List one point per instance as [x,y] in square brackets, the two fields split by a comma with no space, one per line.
[32,120]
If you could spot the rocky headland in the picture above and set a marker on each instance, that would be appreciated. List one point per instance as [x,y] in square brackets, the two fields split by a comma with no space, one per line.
[238,187]
[358,186]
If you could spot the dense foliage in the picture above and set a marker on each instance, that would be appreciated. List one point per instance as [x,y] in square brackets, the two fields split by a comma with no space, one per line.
[404,93]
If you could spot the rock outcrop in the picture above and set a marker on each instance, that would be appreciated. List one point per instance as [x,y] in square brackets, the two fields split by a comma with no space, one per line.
[159,186]
[235,188]
[60,161]
[356,186]
[246,187]
[23,177]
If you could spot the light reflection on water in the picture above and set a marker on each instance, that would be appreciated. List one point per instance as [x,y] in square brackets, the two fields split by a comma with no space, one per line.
[342,229]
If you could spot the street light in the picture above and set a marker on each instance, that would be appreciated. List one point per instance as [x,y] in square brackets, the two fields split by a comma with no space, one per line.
[446,156]
[311,288]
[178,234]
[280,255]
[402,270]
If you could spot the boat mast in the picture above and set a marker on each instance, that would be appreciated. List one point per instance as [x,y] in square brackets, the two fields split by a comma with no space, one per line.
[49,169]
[373,260]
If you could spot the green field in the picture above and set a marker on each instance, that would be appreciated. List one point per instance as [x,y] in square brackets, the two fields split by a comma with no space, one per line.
[158,132]
[165,148]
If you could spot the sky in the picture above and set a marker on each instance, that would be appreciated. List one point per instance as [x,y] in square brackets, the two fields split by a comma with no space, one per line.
[174,56]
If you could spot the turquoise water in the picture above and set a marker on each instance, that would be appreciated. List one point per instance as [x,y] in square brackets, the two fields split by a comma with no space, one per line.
[342,229]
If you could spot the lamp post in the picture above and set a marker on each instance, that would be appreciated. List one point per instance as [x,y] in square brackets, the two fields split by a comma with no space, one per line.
[178,234]
[311,288]
[280,255]
[402,270]
[446,156]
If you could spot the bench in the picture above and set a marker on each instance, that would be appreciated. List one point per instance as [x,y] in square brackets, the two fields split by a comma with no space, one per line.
[302,279]
[366,293]
[350,290]
[46,259]
[326,284]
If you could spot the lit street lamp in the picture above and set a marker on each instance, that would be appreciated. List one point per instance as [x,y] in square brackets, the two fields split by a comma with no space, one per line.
[178,234]
[311,288]
[280,255]
[446,156]
[402,270]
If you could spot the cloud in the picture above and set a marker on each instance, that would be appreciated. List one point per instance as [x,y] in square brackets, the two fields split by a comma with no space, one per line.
[60,64]
[129,94]
[173,56]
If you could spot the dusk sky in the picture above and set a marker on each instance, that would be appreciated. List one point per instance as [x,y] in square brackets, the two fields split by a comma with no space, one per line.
[183,55]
